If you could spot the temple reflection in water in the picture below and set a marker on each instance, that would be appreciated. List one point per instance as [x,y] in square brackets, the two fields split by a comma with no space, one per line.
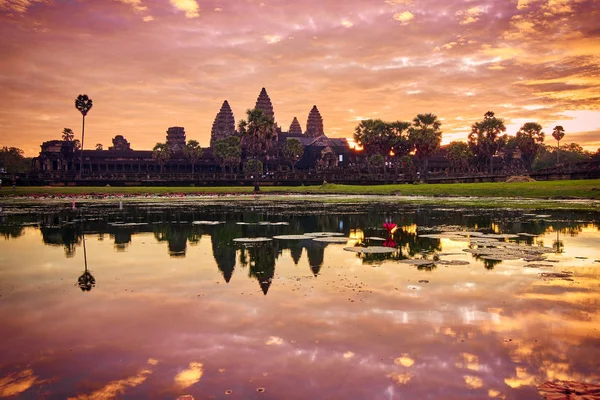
[179,229]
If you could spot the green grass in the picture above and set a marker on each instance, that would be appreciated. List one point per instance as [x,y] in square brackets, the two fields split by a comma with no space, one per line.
[580,189]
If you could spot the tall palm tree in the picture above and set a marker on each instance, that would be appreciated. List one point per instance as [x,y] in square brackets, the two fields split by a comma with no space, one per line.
[257,133]
[193,152]
[162,154]
[558,133]
[84,104]
[427,136]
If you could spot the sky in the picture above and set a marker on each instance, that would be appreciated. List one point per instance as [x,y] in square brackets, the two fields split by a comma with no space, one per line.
[152,64]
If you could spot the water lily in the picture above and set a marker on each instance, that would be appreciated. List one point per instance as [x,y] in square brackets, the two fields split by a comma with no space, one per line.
[390,227]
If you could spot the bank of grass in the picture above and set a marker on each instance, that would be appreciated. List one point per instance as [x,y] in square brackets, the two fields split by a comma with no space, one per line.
[579,189]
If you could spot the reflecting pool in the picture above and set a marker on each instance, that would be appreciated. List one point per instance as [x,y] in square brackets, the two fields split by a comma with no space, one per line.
[160,301]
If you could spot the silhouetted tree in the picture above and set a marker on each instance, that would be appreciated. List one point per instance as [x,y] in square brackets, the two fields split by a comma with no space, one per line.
[400,142]
[193,152]
[292,151]
[558,133]
[459,155]
[161,153]
[67,134]
[486,139]
[257,131]
[84,104]
[529,139]
[426,135]
[99,146]
[228,152]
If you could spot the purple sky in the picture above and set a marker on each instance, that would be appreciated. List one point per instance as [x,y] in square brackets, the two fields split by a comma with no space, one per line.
[152,64]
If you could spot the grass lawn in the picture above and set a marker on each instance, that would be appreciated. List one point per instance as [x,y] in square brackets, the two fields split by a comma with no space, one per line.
[582,189]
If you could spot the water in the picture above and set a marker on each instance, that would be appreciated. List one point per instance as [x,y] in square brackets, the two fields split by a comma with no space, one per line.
[167,307]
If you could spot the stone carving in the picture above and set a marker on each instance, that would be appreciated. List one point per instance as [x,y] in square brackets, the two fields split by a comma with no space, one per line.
[314,125]
[224,124]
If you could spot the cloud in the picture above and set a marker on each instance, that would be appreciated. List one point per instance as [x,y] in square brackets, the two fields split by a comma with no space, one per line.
[404,17]
[191,7]
[19,6]
[470,15]
[135,4]
[190,376]
[117,388]
[17,383]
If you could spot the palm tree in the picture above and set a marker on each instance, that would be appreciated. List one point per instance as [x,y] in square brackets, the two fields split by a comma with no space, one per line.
[161,153]
[193,152]
[67,134]
[84,104]
[529,139]
[427,136]
[257,132]
[86,281]
[486,139]
[558,133]
[459,154]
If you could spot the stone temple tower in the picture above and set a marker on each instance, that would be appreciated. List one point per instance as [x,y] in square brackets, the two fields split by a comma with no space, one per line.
[295,128]
[264,103]
[224,124]
[314,125]
[176,139]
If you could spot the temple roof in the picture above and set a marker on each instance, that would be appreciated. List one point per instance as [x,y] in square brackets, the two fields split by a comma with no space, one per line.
[263,102]
[295,128]
[314,125]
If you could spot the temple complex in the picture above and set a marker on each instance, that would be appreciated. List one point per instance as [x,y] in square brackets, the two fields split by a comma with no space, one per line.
[295,128]
[224,124]
[60,158]
[314,125]
[176,139]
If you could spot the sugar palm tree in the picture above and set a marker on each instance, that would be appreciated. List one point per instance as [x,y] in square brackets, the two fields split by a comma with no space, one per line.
[193,152]
[427,136]
[558,133]
[68,135]
[162,154]
[84,104]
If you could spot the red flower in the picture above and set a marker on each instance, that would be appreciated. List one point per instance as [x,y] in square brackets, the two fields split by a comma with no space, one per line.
[389,226]
[389,243]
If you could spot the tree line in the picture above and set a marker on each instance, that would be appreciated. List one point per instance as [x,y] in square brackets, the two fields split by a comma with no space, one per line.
[390,144]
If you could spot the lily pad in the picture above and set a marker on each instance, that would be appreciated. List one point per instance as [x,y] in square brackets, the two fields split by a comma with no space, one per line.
[324,234]
[375,238]
[418,262]
[452,262]
[370,249]
[252,240]
[534,265]
[330,239]
[292,237]
[563,274]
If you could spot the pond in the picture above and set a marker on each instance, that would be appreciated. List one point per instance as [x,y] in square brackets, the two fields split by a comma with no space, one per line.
[161,301]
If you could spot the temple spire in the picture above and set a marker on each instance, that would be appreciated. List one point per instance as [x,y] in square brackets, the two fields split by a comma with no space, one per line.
[263,102]
[314,125]
[224,124]
[295,128]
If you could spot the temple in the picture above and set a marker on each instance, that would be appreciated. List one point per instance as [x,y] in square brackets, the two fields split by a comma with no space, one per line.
[59,160]
[224,124]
